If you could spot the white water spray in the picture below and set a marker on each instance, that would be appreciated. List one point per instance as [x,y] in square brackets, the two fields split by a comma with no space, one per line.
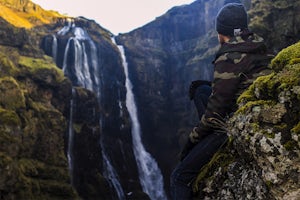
[149,173]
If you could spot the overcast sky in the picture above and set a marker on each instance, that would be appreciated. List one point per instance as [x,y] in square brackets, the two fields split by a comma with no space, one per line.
[118,16]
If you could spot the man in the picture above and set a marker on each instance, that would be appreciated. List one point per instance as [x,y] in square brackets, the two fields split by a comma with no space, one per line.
[241,58]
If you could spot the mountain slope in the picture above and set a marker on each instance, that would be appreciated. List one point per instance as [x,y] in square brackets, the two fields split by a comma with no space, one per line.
[26,14]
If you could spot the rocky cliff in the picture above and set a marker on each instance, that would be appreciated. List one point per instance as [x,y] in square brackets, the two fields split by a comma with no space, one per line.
[34,104]
[261,159]
[35,109]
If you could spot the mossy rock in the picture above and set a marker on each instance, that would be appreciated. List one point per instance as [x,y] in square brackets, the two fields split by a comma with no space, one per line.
[12,97]
[31,179]
[288,56]
[7,67]
[9,118]
[43,70]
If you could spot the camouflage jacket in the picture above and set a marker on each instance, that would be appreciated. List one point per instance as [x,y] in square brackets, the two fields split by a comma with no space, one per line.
[237,64]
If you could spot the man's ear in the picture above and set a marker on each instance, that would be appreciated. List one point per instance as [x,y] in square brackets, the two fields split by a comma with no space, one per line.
[223,38]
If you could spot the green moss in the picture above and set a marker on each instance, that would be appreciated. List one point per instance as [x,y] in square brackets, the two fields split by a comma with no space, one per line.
[221,159]
[269,184]
[31,179]
[287,56]
[77,127]
[7,67]
[296,129]
[289,77]
[269,134]
[290,145]
[41,67]
[12,97]
[57,190]
[9,118]
[251,104]
[247,95]
[4,160]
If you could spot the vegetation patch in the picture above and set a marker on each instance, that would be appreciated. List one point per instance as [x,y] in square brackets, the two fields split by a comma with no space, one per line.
[43,69]
[287,56]
[12,97]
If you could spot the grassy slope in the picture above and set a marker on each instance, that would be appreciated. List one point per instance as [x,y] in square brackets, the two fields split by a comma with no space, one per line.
[26,16]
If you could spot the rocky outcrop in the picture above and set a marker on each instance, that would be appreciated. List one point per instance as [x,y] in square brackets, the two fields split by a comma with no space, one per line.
[261,160]
[276,21]
[33,105]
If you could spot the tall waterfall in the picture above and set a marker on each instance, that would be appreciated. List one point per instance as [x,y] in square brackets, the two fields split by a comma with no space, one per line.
[150,176]
[85,68]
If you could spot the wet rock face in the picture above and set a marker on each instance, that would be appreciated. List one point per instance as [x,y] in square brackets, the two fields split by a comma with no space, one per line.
[87,169]
[264,138]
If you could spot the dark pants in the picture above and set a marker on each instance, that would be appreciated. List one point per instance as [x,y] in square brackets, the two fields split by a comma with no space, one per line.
[187,170]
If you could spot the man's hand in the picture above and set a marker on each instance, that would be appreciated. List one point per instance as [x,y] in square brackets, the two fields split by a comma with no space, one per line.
[193,139]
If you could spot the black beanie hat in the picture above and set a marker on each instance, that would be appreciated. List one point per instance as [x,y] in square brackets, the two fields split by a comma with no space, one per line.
[231,19]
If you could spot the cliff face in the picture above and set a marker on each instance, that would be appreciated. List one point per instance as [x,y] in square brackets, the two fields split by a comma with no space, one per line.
[34,117]
[261,160]
[33,105]
[164,56]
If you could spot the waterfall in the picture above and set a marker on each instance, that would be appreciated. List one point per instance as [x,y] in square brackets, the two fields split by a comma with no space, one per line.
[54,48]
[87,73]
[71,138]
[111,175]
[150,176]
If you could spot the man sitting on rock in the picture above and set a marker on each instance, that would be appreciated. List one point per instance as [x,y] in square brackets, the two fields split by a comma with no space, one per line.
[241,58]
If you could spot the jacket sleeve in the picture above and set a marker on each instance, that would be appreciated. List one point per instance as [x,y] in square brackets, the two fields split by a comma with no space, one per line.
[222,102]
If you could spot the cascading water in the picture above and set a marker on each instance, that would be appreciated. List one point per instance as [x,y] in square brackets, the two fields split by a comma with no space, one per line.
[150,176]
[71,137]
[54,47]
[84,64]
[111,174]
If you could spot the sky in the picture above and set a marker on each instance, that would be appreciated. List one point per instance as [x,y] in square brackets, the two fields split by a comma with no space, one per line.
[118,16]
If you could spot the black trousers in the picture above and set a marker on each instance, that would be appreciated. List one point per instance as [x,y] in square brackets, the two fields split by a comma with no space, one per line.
[187,170]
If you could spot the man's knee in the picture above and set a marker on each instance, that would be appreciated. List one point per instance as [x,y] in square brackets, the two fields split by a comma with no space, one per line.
[180,177]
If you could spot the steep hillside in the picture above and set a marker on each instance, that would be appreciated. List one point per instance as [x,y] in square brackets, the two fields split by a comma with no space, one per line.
[35,112]
[24,13]
[33,105]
